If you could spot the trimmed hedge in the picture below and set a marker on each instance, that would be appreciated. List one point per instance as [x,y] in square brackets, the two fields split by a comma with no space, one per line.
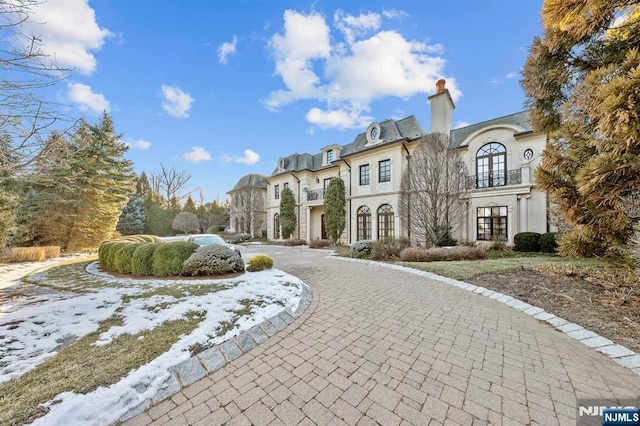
[110,255]
[169,257]
[291,242]
[122,258]
[526,242]
[240,238]
[361,249]
[212,260]
[142,259]
[415,254]
[259,263]
[549,242]
[319,244]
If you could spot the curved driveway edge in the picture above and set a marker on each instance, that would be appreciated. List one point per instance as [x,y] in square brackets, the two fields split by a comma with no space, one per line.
[210,360]
[618,353]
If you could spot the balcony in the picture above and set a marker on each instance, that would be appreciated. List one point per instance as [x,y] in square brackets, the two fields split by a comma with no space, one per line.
[315,194]
[495,179]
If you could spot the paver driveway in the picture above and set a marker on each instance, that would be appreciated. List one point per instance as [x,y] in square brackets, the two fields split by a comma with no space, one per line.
[388,347]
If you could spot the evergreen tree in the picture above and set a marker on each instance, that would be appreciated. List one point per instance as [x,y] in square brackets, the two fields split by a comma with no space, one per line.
[157,219]
[131,221]
[334,209]
[143,188]
[582,83]
[287,212]
[189,205]
[77,194]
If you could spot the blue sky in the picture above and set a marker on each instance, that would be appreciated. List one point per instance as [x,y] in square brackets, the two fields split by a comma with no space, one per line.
[222,89]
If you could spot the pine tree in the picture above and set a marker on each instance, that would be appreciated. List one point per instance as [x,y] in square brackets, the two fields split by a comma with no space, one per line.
[582,82]
[287,212]
[143,188]
[189,205]
[157,218]
[334,209]
[131,221]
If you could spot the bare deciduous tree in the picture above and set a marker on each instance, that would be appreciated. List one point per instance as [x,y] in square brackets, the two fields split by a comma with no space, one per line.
[248,210]
[169,182]
[27,71]
[432,188]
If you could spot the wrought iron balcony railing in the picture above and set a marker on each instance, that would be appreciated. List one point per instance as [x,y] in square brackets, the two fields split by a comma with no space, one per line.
[315,194]
[495,179]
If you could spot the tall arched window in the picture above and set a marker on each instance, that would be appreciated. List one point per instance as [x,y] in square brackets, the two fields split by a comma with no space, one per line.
[276,226]
[385,221]
[364,223]
[491,165]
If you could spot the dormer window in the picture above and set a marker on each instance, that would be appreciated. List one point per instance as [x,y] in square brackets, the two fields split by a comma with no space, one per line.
[330,154]
[373,134]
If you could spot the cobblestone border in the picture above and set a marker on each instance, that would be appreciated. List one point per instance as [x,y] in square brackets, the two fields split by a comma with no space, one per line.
[197,367]
[618,353]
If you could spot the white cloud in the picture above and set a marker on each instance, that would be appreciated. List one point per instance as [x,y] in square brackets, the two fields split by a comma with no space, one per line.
[69,32]
[250,157]
[337,119]
[87,99]
[305,39]
[226,49]
[139,144]
[395,14]
[196,155]
[508,76]
[460,124]
[177,103]
[346,76]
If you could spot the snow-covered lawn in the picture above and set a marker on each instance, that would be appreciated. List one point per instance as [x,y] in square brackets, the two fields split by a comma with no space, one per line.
[75,301]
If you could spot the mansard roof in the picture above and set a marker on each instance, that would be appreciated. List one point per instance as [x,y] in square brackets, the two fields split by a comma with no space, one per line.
[391,131]
[520,119]
[252,180]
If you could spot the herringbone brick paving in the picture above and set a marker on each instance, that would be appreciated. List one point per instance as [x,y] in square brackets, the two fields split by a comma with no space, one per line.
[380,346]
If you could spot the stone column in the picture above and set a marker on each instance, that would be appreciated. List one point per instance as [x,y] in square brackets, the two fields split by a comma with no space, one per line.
[524,213]
[308,224]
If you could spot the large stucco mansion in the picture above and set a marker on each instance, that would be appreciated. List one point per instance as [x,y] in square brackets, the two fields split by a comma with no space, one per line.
[501,155]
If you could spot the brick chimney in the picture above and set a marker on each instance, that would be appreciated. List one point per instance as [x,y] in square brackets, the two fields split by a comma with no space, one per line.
[442,107]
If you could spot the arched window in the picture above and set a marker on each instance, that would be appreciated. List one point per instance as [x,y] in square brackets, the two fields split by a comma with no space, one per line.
[364,223]
[491,166]
[276,226]
[385,221]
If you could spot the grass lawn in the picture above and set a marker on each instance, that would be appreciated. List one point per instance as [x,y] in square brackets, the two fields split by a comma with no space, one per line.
[499,262]
[98,328]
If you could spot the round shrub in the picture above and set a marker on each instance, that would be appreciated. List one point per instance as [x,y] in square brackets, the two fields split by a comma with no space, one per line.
[526,241]
[110,255]
[259,263]
[103,249]
[142,259]
[169,257]
[213,260]
[122,258]
[361,249]
[293,242]
[240,238]
[548,242]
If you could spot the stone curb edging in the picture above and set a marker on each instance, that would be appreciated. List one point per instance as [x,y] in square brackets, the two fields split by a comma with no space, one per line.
[618,353]
[198,366]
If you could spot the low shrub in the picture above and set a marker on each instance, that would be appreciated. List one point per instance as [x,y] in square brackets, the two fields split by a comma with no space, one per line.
[122,258]
[361,249]
[526,241]
[169,257]
[291,242]
[548,242]
[259,263]
[215,229]
[240,238]
[212,260]
[388,248]
[110,255]
[27,254]
[142,259]
[319,244]
[51,251]
[413,254]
